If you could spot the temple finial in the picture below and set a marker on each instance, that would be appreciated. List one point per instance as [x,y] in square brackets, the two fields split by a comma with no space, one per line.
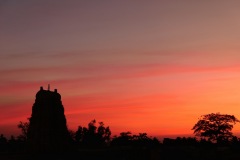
[49,87]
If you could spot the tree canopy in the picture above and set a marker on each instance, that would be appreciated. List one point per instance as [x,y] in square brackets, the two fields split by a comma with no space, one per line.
[24,126]
[93,135]
[215,127]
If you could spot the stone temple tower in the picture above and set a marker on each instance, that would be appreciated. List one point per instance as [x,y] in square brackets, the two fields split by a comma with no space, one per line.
[47,129]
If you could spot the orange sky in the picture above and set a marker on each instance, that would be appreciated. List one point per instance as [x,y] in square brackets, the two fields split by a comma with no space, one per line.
[137,66]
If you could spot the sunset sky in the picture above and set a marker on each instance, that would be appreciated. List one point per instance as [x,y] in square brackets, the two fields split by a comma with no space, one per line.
[140,66]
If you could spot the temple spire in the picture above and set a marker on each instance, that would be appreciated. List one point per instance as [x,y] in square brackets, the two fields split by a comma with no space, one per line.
[48,133]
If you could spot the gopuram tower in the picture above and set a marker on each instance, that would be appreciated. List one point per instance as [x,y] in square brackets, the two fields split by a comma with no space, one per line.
[47,129]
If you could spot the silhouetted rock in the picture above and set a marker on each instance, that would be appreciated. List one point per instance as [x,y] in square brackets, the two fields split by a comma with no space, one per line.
[47,129]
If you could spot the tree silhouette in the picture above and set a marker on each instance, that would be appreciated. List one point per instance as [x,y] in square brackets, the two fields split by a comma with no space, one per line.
[93,135]
[3,143]
[140,140]
[124,139]
[24,126]
[103,132]
[215,127]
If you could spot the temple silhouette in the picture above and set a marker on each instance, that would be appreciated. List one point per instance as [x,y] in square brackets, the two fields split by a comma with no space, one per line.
[47,128]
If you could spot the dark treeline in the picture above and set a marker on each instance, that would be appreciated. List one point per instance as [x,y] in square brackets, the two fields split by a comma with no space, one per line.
[96,142]
[46,136]
[95,135]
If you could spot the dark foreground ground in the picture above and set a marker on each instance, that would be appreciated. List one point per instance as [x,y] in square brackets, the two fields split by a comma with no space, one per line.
[128,153]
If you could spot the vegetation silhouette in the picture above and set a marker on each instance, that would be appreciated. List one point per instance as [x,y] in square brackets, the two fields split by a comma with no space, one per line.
[24,126]
[141,140]
[45,136]
[93,136]
[215,127]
